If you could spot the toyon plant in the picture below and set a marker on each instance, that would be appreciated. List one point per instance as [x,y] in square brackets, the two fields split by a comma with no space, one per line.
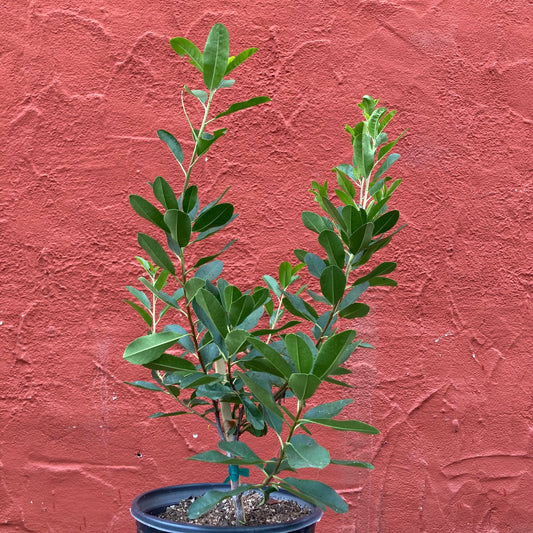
[251,361]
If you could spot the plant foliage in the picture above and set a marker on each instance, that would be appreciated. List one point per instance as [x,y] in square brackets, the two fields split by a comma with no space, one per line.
[249,361]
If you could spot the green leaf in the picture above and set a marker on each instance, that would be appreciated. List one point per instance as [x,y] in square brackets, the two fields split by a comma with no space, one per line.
[356,310]
[174,413]
[331,352]
[148,348]
[262,395]
[363,153]
[386,119]
[244,105]
[171,363]
[156,252]
[327,410]
[140,296]
[148,211]
[315,264]
[392,158]
[184,47]
[303,451]
[385,222]
[161,280]
[164,193]
[285,274]
[253,414]
[214,456]
[358,464]
[146,385]
[210,271]
[353,295]
[299,307]
[273,357]
[190,198]
[299,352]
[214,310]
[273,331]
[361,238]
[315,222]
[192,286]
[345,425]
[333,284]
[354,218]
[199,94]
[172,143]
[272,284]
[382,282]
[240,309]
[179,224]
[319,491]
[210,499]
[215,216]
[216,56]
[304,385]
[206,140]
[332,243]
[236,340]
[382,269]
[240,449]
[144,314]
[234,62]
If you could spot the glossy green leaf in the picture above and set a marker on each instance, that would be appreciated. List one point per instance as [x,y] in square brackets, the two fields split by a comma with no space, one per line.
[272,356]
[179,225]
[184,47]
[373,121]
[262,395]
[319,491]
[236,340]
[304,385]
[332,244]
[214,456]
[148,348]
[299,307]
[238,106]
[155,252]
[361,238]
[214,310]
[192,286]
[345,425]
[211,498]
[190,197]
[240,309]
[240,449]
[174,413]
[140,296]
[213,217]
[199,94]
[172,143]
[207,139]
[354,218]
[315,222]
[272,284]
[285,274]
[357,464]
[363,153]
[144,314]
[148,211]
[384,268]
[327,410]
[234,62]
[331,352]
[386,119]
[171,363]
[303,451]
[216,56]
[315,264]
[355,310]
[333,284]
[392,158]
[146,385]
[164,193]
[210,271]
[273,331]
[253,413]
[353,295]
[299,352]
[386,221]
[382,282]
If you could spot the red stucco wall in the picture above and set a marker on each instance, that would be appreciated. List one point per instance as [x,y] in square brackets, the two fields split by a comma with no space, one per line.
[450,384]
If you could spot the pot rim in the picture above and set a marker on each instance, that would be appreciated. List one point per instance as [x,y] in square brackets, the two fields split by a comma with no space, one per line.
[164,496]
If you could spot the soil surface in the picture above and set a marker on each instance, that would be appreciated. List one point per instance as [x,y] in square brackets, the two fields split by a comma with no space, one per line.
[272,512]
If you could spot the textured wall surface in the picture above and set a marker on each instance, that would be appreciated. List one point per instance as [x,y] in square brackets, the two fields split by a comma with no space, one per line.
[83,90]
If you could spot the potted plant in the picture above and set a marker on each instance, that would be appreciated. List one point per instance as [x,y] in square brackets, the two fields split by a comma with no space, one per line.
[250,361]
